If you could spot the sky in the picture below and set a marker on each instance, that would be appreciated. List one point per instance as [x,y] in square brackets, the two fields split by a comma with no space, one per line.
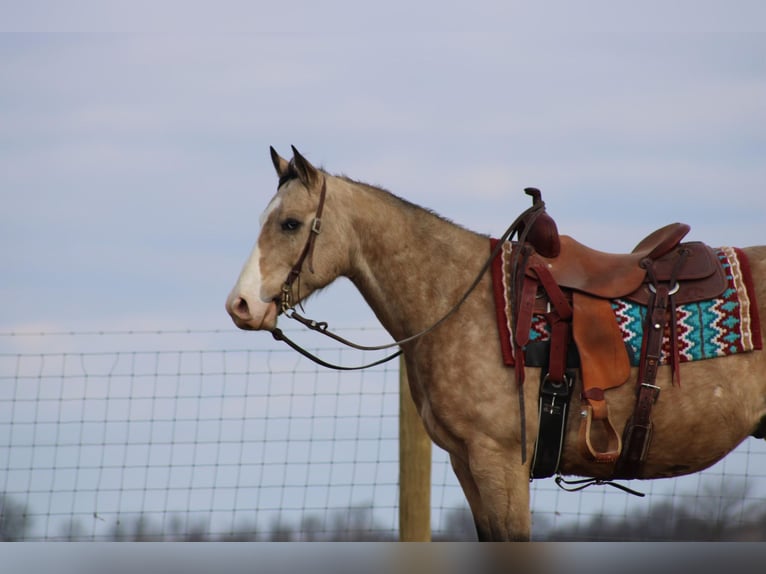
[134,142]
[134,137]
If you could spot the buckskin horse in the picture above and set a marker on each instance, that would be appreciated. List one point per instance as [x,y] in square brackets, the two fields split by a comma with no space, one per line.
[486,380]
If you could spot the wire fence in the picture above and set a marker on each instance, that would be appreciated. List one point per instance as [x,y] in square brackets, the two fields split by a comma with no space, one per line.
[193,435]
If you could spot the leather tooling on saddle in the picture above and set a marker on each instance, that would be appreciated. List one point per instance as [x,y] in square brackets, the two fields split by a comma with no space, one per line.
[576,307]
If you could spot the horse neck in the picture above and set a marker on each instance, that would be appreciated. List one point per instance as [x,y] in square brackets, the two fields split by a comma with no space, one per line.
[410,265]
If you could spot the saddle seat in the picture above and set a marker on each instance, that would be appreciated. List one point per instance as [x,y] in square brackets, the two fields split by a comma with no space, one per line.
[608,275]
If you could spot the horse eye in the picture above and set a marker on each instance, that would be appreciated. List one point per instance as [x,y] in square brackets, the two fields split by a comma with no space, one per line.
[290,224]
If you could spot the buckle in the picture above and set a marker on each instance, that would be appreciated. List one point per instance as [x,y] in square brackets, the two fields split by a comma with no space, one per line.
[673,290]
[316,225]
[654,388]
[285,301]
[556,388]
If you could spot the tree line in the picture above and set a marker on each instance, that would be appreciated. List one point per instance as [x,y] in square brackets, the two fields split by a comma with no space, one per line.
[715,515]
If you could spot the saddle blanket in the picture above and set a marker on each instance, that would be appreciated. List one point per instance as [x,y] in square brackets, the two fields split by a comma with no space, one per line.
[706,329]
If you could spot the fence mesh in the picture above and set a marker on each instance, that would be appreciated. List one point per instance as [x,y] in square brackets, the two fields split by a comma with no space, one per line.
[187,435]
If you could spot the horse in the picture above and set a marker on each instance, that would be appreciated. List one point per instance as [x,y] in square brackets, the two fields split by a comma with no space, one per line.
[415,270]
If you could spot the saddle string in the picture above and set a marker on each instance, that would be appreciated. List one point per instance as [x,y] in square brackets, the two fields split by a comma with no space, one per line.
[676,362]
[675,358]
[287,307]
[518,269]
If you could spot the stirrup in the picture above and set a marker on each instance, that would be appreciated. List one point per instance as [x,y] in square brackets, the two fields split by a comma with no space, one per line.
[614,441]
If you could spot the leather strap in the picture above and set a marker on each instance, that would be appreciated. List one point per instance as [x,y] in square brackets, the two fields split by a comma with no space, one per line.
[553,408]
[556,382]
[558,299]
[560,320]
[280,336]
[307,253]
[638,431]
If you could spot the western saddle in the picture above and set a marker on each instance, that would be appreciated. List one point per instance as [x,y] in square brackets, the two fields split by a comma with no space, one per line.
[573,285]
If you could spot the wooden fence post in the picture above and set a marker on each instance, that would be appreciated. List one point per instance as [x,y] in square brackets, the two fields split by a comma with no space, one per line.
[414,468]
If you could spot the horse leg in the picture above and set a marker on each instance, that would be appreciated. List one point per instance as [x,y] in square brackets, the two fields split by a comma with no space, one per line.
[471,492]
[503,487]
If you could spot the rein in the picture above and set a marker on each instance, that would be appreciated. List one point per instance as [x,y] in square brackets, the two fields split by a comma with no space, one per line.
[287,307]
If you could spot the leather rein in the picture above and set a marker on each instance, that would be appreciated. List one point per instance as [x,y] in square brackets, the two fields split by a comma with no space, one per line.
[287,307]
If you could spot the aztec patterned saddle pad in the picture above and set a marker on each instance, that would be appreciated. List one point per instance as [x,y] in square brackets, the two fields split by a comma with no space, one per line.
[718,327]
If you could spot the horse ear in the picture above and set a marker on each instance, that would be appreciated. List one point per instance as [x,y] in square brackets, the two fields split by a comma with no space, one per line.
[307,173]
[280,163]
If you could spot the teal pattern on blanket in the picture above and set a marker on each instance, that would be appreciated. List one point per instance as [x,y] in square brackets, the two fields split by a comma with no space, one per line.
[705,330]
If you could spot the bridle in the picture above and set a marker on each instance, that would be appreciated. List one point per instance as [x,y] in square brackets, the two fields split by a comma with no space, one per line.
[285,300]
[521,225]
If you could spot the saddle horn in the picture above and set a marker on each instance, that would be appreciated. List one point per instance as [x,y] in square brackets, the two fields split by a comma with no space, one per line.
[543,235]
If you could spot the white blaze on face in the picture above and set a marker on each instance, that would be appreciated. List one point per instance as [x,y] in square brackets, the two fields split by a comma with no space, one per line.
[273,204]
[249,283]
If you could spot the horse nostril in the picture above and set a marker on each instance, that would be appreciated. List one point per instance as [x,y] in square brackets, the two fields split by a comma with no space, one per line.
[241,308]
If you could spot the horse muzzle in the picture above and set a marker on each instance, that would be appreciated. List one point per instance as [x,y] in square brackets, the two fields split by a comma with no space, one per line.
[254,315]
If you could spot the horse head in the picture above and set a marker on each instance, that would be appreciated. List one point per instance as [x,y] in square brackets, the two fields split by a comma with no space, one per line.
[283,268]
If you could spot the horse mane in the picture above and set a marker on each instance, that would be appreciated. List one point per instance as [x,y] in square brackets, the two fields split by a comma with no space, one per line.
[292,173]
[392,197]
